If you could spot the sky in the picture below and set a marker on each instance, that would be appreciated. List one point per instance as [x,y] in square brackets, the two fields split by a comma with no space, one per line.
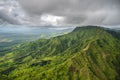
[60,12]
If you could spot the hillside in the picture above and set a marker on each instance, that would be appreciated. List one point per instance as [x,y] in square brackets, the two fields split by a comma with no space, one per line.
[87,53]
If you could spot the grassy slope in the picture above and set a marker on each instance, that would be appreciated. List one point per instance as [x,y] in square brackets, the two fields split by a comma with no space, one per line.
[87,53]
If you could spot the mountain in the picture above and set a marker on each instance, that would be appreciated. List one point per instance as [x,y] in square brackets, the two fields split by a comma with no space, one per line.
[86,53]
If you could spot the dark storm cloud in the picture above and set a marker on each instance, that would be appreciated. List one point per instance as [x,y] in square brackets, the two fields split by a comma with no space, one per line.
[7,18]
[77,11]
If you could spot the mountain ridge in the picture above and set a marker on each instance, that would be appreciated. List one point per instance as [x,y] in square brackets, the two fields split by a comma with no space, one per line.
[86,53]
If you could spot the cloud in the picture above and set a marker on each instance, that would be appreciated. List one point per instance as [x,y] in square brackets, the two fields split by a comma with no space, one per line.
[50,19]
[76,11]
[7,14]
[7,18]
[60,12]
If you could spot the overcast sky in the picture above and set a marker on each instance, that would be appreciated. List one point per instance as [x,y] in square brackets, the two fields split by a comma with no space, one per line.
[60,12]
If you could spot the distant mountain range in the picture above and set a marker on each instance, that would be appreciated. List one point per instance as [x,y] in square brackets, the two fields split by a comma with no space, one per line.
[86,53]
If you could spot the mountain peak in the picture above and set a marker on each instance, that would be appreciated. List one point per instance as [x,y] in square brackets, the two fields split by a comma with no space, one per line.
[87,27]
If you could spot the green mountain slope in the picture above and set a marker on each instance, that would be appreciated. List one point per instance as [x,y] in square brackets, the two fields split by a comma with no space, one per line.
[87,53]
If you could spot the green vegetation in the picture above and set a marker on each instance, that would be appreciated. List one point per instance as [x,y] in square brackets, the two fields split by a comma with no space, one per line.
[87,53]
